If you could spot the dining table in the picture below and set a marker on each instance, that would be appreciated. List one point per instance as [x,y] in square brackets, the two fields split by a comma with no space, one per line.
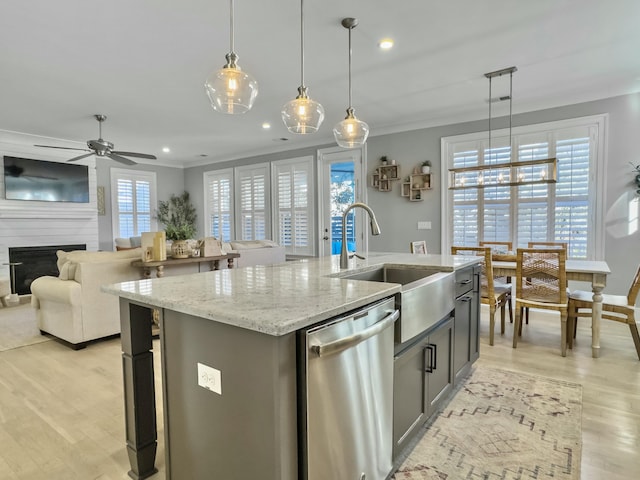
[593,271]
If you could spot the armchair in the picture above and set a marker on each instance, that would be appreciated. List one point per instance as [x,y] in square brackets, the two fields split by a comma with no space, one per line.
[71,306]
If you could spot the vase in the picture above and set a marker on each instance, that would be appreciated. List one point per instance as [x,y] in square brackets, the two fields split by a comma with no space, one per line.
[426,169]
[180,249]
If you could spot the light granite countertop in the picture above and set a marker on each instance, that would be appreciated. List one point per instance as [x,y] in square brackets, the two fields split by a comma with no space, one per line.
[278,299]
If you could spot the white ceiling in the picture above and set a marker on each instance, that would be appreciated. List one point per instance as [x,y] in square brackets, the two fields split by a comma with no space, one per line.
[143,63]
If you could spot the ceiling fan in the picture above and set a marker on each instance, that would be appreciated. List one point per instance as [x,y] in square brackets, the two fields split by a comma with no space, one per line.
[102,148]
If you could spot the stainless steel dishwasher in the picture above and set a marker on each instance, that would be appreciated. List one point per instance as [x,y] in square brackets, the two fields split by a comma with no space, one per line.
[346,393]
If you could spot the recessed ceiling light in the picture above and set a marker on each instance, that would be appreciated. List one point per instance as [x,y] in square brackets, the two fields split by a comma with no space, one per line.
[385,44]
[166,149]
[266,125]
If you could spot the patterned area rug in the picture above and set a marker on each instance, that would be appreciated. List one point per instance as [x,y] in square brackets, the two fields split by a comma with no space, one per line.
[502,425]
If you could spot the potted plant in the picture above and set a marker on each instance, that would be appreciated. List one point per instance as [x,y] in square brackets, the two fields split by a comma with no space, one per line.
[179,218]
[426,166]
[384,160]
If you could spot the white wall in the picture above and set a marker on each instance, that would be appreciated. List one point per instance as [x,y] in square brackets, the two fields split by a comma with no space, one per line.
[30,223]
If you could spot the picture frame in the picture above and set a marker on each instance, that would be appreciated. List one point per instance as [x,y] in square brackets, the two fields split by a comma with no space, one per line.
[419,246]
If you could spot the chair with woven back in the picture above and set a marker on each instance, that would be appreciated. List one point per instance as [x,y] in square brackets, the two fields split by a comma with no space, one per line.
[618,308]
[564,245]
[498,247]
[503,248]
[541,282]
[494,294]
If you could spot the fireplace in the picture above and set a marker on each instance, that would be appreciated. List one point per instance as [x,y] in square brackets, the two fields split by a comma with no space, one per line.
[35,262]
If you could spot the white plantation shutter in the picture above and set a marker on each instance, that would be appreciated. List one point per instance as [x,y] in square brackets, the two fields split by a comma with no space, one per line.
[219,204]
[293,204]
[133,193]
[557,212]
[465,202]
[533,208]
[572,195]
[252,201]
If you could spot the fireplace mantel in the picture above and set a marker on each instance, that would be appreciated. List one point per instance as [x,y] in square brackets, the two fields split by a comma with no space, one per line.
[25,223]
[9,210]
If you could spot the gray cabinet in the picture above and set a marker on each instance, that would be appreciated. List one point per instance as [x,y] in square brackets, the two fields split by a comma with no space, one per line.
[466,320]
[439,365]
[423,377]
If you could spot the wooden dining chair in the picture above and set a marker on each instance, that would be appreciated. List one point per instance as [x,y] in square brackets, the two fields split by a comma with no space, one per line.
[564,245]
[541,282]
[499,248]
[494,294]
[618,308]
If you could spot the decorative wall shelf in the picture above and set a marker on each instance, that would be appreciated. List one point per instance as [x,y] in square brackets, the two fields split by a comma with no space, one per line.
[414,187]
[526,172]
[383,176]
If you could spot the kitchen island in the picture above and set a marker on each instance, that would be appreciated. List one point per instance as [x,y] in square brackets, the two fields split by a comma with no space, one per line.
[228,348]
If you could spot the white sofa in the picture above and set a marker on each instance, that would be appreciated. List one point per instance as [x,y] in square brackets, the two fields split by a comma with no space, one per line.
[252,252]
[255,252]
[71,306]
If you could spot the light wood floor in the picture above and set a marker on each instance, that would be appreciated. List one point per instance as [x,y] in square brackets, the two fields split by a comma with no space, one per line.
[61,411]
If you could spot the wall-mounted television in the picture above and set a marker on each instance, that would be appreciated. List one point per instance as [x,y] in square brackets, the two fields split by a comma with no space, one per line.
[43,181]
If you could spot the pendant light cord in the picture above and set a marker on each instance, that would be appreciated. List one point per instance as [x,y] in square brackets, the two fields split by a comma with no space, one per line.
[231,27]
[510,112]
[302,43]
[350,28]
[489,118]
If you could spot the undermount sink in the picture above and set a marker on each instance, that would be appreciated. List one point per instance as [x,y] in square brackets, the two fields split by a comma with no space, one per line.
[399,275]
[426,296]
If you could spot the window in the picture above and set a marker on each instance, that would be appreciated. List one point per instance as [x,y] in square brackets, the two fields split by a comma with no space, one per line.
[566,211]
[133,193]
[218,188]
[252,201]
[293,205]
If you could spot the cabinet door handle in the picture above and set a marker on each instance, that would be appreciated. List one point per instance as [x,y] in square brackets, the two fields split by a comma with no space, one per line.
[465,282]
[466,298]
[435,356]
[430,363]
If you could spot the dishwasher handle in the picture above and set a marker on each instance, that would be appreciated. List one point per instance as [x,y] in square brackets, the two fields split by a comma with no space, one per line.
[337,346]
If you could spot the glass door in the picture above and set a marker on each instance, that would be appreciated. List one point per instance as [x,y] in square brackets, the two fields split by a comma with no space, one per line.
[339,186]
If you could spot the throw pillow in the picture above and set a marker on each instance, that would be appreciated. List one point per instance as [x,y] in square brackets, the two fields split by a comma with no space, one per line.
[63,257]
[68,271]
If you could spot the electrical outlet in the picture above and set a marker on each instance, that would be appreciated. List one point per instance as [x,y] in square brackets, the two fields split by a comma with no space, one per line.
[210,378]
[424,225]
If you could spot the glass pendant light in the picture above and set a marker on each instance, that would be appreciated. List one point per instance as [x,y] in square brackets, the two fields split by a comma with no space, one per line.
[302,115]
[350,132]
[231,90]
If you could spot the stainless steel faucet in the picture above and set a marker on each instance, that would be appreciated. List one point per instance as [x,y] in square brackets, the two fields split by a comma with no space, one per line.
[375,230]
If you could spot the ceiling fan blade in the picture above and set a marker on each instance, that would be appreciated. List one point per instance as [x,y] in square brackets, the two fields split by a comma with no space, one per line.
[80,157]
[120,159]
[137,155]
[63,148]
